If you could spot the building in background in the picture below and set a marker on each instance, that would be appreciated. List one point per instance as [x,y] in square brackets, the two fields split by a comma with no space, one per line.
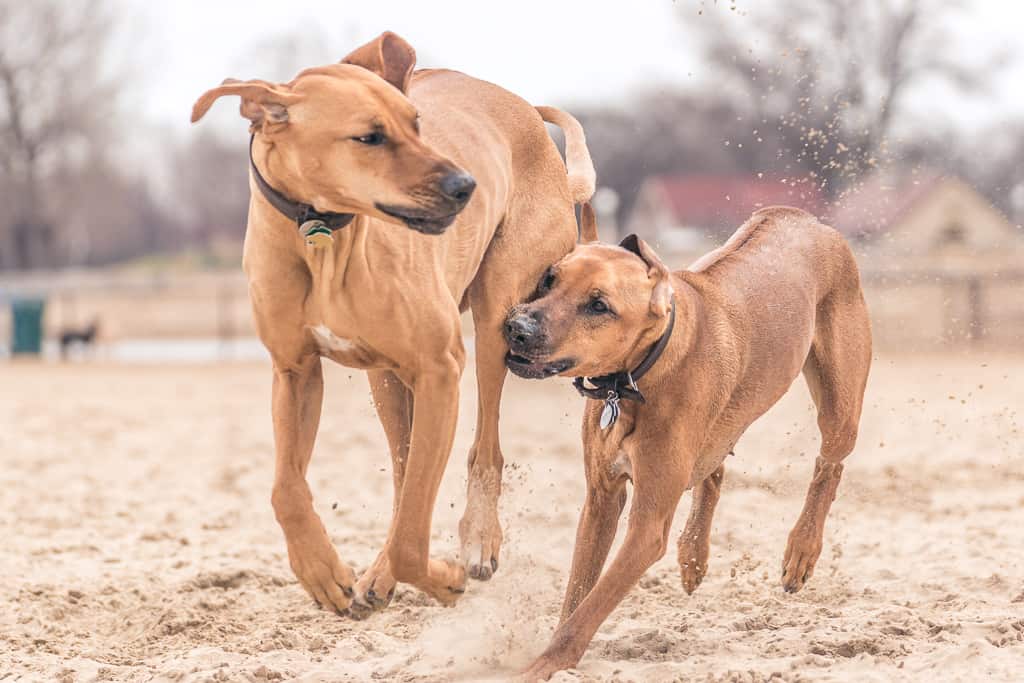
[939,263]
[684,216]
[926,222]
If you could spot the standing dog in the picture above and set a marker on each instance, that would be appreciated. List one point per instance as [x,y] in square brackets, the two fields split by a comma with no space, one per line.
[78,336]
[363,247]
[679,365]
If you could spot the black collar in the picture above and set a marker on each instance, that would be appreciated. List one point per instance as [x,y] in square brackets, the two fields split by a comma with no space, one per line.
[622,385]
[307,219]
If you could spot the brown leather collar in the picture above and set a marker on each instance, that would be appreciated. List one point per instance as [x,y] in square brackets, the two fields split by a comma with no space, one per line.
[299,212]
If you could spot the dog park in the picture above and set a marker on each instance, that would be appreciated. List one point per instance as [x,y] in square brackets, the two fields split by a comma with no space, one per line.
[277,416]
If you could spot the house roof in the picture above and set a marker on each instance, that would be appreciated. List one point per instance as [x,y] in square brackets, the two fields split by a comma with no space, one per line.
[878,202]
[723,202]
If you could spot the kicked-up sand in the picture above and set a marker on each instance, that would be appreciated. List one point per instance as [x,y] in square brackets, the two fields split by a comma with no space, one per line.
[139,542]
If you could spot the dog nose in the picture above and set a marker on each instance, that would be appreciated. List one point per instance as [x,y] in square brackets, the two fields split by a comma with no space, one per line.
[520,329]
[458,186]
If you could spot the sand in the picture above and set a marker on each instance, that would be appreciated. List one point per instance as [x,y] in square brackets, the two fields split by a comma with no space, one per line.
[139,542]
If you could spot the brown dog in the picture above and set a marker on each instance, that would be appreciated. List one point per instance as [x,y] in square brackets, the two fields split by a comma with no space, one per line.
[720,344]
[377,163]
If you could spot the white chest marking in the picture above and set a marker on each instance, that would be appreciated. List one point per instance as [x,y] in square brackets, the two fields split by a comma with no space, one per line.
[329,341]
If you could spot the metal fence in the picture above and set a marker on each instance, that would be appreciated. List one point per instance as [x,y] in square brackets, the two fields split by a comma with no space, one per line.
[909,310]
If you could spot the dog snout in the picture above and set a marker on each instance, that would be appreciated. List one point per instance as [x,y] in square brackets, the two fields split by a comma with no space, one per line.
[457,186]
[522,330]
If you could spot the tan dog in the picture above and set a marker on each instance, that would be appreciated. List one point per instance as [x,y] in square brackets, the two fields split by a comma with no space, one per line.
[389,158]
[783,295]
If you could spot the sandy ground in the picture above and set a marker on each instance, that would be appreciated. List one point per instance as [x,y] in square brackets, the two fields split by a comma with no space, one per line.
[139,542]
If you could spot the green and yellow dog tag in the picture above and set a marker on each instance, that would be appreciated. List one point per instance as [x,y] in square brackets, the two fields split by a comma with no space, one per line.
[316,233]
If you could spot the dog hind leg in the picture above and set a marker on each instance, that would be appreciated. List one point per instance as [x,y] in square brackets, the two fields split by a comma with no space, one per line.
[480,529]
[836,372]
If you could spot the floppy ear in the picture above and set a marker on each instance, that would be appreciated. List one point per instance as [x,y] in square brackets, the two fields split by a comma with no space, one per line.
[661,295]
[264,104]
[388,56]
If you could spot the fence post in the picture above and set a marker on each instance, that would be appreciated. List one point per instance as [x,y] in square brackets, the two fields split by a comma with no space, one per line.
[225,323]
[976,304]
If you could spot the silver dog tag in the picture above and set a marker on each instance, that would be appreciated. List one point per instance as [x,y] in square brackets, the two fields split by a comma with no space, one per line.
[611,410]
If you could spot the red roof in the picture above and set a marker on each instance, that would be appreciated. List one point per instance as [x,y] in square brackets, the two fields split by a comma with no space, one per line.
[725,202]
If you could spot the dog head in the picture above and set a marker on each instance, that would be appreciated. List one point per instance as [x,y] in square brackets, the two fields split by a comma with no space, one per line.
[345,138]
[592,314]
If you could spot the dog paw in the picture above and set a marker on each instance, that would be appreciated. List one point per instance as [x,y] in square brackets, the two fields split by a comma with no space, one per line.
[374,589]
[542,669]
[323,575]
[694,550]
[480,532]
[692,573]
[798,562]
[446,582]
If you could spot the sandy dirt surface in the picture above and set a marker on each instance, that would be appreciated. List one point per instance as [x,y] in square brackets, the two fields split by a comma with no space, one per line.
[139,543]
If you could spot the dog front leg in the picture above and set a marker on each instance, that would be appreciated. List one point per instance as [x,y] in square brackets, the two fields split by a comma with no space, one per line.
[435,411]
[695,541]
[594,535]
[658,488]
[297,397]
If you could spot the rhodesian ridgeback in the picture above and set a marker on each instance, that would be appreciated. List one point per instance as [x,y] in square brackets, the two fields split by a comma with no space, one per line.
[363,247]
[676,366]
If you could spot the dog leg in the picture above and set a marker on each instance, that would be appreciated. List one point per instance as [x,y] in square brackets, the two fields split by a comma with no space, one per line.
[394,403]
[658,488]
[695,541]
[805,540]
[836,373]
[435,410]
[297,399]
[480,528]
[599,520]
[506,275]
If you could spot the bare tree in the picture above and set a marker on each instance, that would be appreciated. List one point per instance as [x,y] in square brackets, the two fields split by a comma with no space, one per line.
[830,78]
[213,173]
[55,109]
[661,133]
[211,168]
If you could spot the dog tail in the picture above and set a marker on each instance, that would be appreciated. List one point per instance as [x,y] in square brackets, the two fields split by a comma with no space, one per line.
[582,178]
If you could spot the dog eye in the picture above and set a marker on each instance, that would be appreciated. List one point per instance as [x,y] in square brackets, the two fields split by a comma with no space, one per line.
[598,306]
[547,280]
[373,139]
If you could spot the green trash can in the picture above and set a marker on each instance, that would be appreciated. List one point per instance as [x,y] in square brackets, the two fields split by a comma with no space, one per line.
[27,325]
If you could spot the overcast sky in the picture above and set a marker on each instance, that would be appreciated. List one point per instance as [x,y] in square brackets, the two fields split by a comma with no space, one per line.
[554,51]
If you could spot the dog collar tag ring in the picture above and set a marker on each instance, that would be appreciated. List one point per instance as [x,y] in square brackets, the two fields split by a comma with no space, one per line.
[611,410]
[316,233]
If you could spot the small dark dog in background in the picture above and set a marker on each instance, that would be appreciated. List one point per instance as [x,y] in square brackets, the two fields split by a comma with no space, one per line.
[82,337]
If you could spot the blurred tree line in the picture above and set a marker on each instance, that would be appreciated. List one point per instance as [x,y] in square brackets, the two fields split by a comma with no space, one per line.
[815,92]
[811,91]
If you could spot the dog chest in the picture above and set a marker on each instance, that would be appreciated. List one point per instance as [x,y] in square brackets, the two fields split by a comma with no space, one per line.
[347,351]
[328,341]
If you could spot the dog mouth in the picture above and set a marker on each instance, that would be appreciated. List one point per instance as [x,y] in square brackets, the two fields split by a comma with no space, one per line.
[528,368]
[420,220]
